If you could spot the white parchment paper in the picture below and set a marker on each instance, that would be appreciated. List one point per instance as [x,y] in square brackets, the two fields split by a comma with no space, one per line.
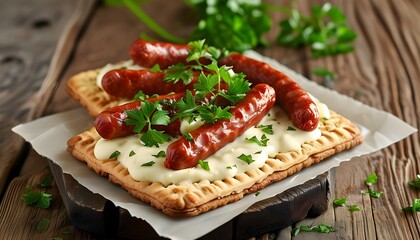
[49,136]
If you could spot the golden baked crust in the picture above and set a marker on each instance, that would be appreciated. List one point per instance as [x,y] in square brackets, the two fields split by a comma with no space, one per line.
[338,134]
[82,88]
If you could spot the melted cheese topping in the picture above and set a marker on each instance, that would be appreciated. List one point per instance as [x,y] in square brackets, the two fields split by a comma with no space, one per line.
[223,164]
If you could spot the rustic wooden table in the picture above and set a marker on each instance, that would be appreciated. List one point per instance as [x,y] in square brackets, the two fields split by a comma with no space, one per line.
[44,42]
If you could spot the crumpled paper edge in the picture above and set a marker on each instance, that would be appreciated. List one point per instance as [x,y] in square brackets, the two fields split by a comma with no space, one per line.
[49,135]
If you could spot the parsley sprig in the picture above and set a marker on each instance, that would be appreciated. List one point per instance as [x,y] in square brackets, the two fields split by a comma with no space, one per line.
[149,114]
[321,228]
[37,198]
[325,30]
[202,103]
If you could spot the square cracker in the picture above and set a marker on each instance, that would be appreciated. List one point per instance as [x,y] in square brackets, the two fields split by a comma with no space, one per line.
[338,134]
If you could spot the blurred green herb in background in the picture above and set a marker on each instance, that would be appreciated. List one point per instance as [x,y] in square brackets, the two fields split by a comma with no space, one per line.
[240,25]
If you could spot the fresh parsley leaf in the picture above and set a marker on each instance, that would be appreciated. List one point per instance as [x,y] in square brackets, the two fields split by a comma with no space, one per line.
[160,154]
[38,199]
[204,165]
[373,193]
[155,68]
[263,142]
[322,228]
[415,183]
[140,96]
[242,22]
[231,167]
[414,207]
[291,129]
[246,158]
[115,154]
[43,224]
[189,137]
[132,153]
[149,114]
[266,128]
[372,179]
[325,30]
[257,193]
[178,72]
[153,138]
[353,208]
[341,202]
[148,164]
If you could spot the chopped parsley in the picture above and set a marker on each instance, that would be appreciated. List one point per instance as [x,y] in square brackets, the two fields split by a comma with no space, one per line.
[132,153]
[38,199]
[148,164]
[414,207]
[204,165]
[160,154]
[115,154]
[246,158]
[415,183]
[266,129]
[263,142]
[322,228]
[291,129]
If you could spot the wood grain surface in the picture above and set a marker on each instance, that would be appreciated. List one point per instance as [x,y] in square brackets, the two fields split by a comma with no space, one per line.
[44,42]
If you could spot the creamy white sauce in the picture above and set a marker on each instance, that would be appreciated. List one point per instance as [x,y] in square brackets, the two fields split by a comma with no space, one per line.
[126,64]
[223,164]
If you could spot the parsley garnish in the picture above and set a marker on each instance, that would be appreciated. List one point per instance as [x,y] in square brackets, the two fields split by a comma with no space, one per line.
[266,128]
[414,207]
[209,87]
[246,158]
[132,153]
[325,30]
[148,164]
[369,181]
[291,129]
[38,199]
[189,137]
[115,154]
[231,167]
[263,142]
[416,182]
[322,228]
[149,114]
[204,165]
[141,96]
[342,202]
[160,154]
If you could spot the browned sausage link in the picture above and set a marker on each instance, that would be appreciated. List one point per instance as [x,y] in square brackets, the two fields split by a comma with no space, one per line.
[294,99]
[209,138]
[110,123]
[127,83]
[147,54]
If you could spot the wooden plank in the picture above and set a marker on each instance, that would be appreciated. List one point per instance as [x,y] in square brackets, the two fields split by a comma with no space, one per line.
[30,32]
[381,73]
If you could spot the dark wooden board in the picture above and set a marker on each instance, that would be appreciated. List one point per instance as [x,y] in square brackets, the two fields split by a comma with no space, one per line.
[93,213]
